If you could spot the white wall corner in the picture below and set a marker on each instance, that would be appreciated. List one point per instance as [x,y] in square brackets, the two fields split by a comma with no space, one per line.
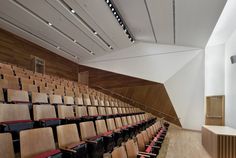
[186,91]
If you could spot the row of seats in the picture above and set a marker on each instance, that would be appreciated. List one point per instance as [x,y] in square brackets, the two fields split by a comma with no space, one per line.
[16,117]
[12,70]
[20,96]
[93,140]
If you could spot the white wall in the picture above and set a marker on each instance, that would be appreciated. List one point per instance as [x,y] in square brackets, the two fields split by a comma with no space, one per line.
[230,82]
[186,91]
[215,70]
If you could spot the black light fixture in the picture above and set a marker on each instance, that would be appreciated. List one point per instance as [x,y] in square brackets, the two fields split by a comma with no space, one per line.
[233,59]
[119,19]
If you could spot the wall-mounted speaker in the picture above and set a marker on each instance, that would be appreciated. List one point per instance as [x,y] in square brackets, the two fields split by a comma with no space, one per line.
[233,59]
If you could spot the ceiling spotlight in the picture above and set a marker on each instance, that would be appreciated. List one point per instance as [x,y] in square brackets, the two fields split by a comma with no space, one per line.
[114,13]
[110,5]
[95,32]
[107,1]
[50,24]
[112,9]
[132,41]
[117,17]
[72,11]
[125,30]
[75,41]
[122,25]
[58,47]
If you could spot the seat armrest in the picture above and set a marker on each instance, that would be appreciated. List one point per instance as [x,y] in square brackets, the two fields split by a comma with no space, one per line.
[107,136]
[144,153]
[157,147]
[141,155]
[90,141]
[68,150]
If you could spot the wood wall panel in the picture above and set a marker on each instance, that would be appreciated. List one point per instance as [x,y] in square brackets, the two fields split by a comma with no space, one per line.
[16,50]
[152,94]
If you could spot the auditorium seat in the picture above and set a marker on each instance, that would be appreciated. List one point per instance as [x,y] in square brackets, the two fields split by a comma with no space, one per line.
[43,89]
[94,101]
[70,143]
[11,82]
[14,118]
[92,111]
[17,96]
[102,111]
[86,99]
[81,111]
[101,102]
[108,111]
[66,112]
[7,71]
[29,87]
[79,100]
[118,133]
[69,92]
[38,143]
[108,137]
[59,92]
[119,152]
[106,103]
[24,80]
[39,98]
[95,143]
[115,111]
[55,99]
[6,146]
[68,100]
[45,116]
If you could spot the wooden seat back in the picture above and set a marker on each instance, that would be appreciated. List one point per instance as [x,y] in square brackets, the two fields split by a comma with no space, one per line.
[44,112]
[87,130]
[14,112]
[36,141]
[65,112]
[67,135]
[6,146]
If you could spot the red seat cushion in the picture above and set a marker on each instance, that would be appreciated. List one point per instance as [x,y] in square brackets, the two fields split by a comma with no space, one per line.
[47,154]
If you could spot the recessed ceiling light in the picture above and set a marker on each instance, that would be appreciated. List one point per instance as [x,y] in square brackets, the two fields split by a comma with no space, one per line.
[50,24]
[117,17]
[95,33]
[114,13]
[75,41]
[107,1]
[72,11]
[110,5]
[58,47]
[112,9]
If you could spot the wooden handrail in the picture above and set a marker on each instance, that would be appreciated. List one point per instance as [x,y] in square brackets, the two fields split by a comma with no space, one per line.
[134,101]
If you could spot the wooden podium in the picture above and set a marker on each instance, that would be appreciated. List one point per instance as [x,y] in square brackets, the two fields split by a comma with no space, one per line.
[219,141]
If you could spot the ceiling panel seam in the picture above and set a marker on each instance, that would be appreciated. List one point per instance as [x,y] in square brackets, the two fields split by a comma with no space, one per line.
[98,26]
[83,22]
[36,36]
[52,26]
[150,19]
[140,56]
[174,31]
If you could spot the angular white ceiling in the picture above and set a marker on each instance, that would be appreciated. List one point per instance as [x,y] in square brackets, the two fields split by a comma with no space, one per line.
[147,61]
